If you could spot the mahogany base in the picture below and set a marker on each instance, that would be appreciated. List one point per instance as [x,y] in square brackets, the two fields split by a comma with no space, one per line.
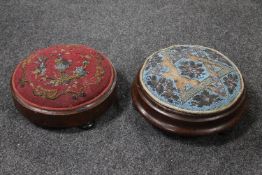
[64,119]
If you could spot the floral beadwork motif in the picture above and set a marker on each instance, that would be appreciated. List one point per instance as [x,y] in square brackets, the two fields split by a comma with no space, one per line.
[231,81]
[191,69]
[61,64]
[59,76]
[191,79]
[205,98]
[164,87]
[41,69]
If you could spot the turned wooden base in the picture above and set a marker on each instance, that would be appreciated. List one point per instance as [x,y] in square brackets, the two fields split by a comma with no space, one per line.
[64,119]
[183,123]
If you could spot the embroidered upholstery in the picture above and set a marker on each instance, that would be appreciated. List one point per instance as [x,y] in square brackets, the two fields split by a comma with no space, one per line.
[62,77]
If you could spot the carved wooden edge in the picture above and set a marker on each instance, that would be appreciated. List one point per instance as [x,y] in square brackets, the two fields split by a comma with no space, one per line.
[183,123]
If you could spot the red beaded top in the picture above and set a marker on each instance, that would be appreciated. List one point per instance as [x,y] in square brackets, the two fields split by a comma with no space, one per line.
[62,77]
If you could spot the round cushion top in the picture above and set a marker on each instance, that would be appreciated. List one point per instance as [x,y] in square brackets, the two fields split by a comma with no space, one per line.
[62,77]
[191,79]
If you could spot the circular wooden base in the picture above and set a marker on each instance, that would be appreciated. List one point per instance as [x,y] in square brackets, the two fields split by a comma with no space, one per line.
[64,119]
[184,123]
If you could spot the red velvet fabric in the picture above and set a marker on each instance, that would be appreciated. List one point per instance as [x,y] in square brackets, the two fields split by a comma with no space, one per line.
[62,77]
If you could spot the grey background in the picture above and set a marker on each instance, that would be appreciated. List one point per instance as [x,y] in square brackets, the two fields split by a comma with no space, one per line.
[128,31]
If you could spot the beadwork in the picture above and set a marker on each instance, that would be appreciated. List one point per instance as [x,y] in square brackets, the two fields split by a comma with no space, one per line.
[192,79]
[63,76]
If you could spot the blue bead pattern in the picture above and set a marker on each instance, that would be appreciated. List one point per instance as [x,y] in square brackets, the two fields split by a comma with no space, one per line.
[192,79]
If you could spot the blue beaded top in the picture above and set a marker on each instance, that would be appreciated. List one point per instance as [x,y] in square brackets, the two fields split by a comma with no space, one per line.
[192,79]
